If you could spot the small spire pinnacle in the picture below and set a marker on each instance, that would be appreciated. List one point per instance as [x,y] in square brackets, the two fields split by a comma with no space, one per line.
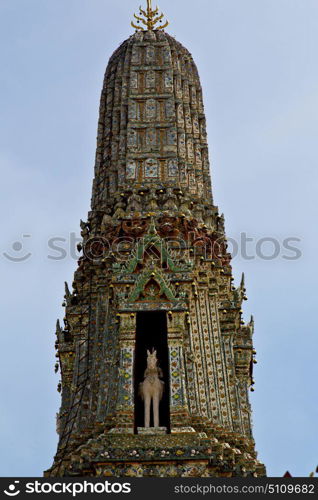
[149,18]
[67,291]
[152,228]
[243,281]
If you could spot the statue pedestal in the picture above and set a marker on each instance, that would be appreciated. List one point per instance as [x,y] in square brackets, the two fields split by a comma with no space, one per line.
[152,431]
[182,430]
[121,430]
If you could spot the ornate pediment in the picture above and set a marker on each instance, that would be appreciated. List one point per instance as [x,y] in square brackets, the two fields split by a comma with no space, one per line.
[149,248]
[152,285]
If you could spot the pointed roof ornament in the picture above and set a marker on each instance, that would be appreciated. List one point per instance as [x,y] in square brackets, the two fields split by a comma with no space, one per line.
[243,281]
[58,327]
[152,228]
[149,18]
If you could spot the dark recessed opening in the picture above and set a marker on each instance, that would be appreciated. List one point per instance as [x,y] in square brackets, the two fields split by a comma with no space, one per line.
[151,333]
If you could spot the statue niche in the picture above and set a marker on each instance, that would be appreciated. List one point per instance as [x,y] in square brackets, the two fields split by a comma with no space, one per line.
[151,382]
[151,389]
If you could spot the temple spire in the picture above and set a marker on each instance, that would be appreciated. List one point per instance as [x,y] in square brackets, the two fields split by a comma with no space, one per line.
[151,276]
[149,18]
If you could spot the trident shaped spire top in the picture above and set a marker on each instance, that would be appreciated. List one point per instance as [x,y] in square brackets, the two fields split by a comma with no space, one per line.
[150,18]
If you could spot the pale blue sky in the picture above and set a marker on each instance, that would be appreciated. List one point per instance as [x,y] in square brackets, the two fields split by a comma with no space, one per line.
[258,65]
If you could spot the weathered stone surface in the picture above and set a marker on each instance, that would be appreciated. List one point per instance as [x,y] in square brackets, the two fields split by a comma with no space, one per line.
[154,241]
[152,125]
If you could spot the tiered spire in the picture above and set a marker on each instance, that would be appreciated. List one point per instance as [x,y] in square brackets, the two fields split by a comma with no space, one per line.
[154,273]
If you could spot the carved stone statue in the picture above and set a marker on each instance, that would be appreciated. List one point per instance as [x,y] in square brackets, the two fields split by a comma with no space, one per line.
[169,226]
[134,203]
[170,201]
[119,209]
[85,227]
[107,224]
[151,389]
[185,204]
[153,201]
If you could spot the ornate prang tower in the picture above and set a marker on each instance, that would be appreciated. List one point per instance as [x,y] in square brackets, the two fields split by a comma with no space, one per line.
[155,273]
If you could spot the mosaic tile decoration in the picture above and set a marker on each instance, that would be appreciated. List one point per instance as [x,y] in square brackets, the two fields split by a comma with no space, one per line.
[172,136]
[173,169]
[132,139]
[176,386]
[125,397]
[151,169]
[131,169]
[151,137]
[150,80]
[170,108]
[152,189]
[151,109]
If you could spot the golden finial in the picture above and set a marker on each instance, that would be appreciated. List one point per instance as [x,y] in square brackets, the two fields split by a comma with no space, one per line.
[150,18]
